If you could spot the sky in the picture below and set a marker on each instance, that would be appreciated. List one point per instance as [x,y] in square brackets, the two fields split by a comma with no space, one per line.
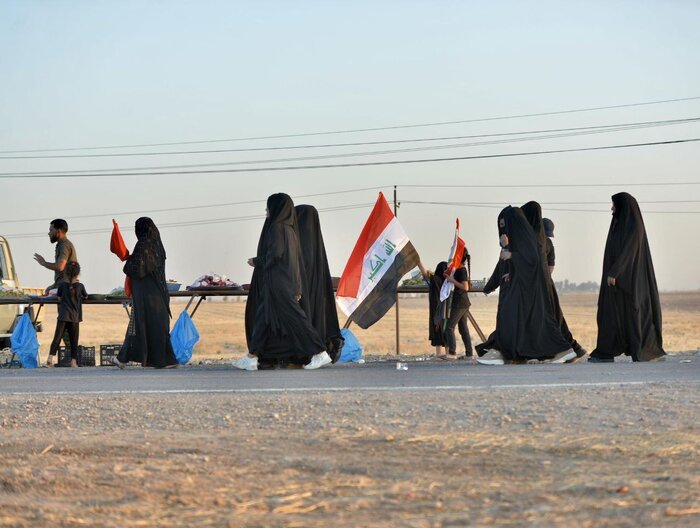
[83,74]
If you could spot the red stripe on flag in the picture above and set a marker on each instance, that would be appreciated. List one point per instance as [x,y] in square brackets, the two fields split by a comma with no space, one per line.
[380,217]
[457,259]
[458,248]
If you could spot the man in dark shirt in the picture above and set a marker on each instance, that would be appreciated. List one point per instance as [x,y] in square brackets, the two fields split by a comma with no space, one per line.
[459,313]
[65,252]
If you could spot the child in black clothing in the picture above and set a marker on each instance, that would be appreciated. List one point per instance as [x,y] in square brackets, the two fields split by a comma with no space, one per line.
[437,310]
[70,312]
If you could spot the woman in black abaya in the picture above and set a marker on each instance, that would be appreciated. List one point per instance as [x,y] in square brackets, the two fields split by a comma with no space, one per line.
[629,312]
[280,328]
[525,324]
[148,338]
[317,282]
[533,213]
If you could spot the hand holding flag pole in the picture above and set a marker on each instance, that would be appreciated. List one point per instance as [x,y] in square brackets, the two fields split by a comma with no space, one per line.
[454,262]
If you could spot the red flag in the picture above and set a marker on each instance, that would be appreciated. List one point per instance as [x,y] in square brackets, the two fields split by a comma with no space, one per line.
[456,252]
[118,247]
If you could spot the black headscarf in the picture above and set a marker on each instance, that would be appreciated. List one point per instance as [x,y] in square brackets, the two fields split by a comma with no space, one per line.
[502,267]
[317,281]
[525,324]
[148,257]
[439,275]
[548,227]
[533,213]
[280,209]
[629,313]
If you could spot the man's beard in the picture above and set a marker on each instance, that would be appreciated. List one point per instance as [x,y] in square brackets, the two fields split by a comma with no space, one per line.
[53,239]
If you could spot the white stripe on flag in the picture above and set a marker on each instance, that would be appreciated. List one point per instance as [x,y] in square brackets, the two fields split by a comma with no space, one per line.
[378,259]
[446,289]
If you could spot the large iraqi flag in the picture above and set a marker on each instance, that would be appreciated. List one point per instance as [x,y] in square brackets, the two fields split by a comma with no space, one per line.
[382,255]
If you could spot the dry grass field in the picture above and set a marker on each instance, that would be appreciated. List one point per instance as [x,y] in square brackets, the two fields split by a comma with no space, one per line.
[220,325]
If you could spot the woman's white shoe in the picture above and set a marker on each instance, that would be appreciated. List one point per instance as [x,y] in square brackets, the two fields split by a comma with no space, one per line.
[319,360]
[246,363]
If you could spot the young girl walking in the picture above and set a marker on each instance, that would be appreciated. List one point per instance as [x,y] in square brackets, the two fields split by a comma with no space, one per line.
[70,313]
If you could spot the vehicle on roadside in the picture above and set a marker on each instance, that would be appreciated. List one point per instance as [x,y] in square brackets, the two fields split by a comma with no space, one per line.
[9,313]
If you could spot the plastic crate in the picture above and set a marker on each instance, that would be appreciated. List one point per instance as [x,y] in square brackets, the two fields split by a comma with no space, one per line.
[86,356]
[108,353]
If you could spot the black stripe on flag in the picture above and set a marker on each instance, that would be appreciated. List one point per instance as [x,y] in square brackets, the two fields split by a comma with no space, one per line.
[383,295]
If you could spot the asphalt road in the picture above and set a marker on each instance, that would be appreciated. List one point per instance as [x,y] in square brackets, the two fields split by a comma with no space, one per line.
[381,376]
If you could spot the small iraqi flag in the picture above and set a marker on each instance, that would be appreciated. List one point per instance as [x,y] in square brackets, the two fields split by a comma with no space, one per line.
[455,261]
[382,255]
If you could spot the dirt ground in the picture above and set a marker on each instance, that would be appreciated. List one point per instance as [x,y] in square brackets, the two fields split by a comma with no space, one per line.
[628,456]
[221,327]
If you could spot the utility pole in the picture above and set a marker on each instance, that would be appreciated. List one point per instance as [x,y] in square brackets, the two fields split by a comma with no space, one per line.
[398,349]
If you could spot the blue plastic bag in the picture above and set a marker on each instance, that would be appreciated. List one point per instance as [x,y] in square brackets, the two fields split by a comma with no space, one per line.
[183,338]
[352,350]
[24,343]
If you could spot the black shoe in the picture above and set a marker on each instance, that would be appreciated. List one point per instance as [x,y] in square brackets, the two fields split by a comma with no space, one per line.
[594,359]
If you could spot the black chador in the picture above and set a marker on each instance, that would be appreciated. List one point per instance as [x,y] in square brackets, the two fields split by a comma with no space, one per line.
[533,213]
[438,310]
[629,312]
[317,284]
[148,337]
[279,328]
[525,323]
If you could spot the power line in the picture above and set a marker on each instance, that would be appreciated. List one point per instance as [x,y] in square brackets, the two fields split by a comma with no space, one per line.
[549,185]
[347,191]
[548,202]
[340,155]
[202,206]
[597,129]
[360,164]
[501,206]
[210,221]
[356,130]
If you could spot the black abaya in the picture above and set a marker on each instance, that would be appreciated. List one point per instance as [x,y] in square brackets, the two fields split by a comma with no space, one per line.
[629,313]
[281,327]
[317,282]
[148,338]
[533,214]
[525,324]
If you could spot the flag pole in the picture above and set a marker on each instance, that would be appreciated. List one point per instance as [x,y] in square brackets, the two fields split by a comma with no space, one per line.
[398,349]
